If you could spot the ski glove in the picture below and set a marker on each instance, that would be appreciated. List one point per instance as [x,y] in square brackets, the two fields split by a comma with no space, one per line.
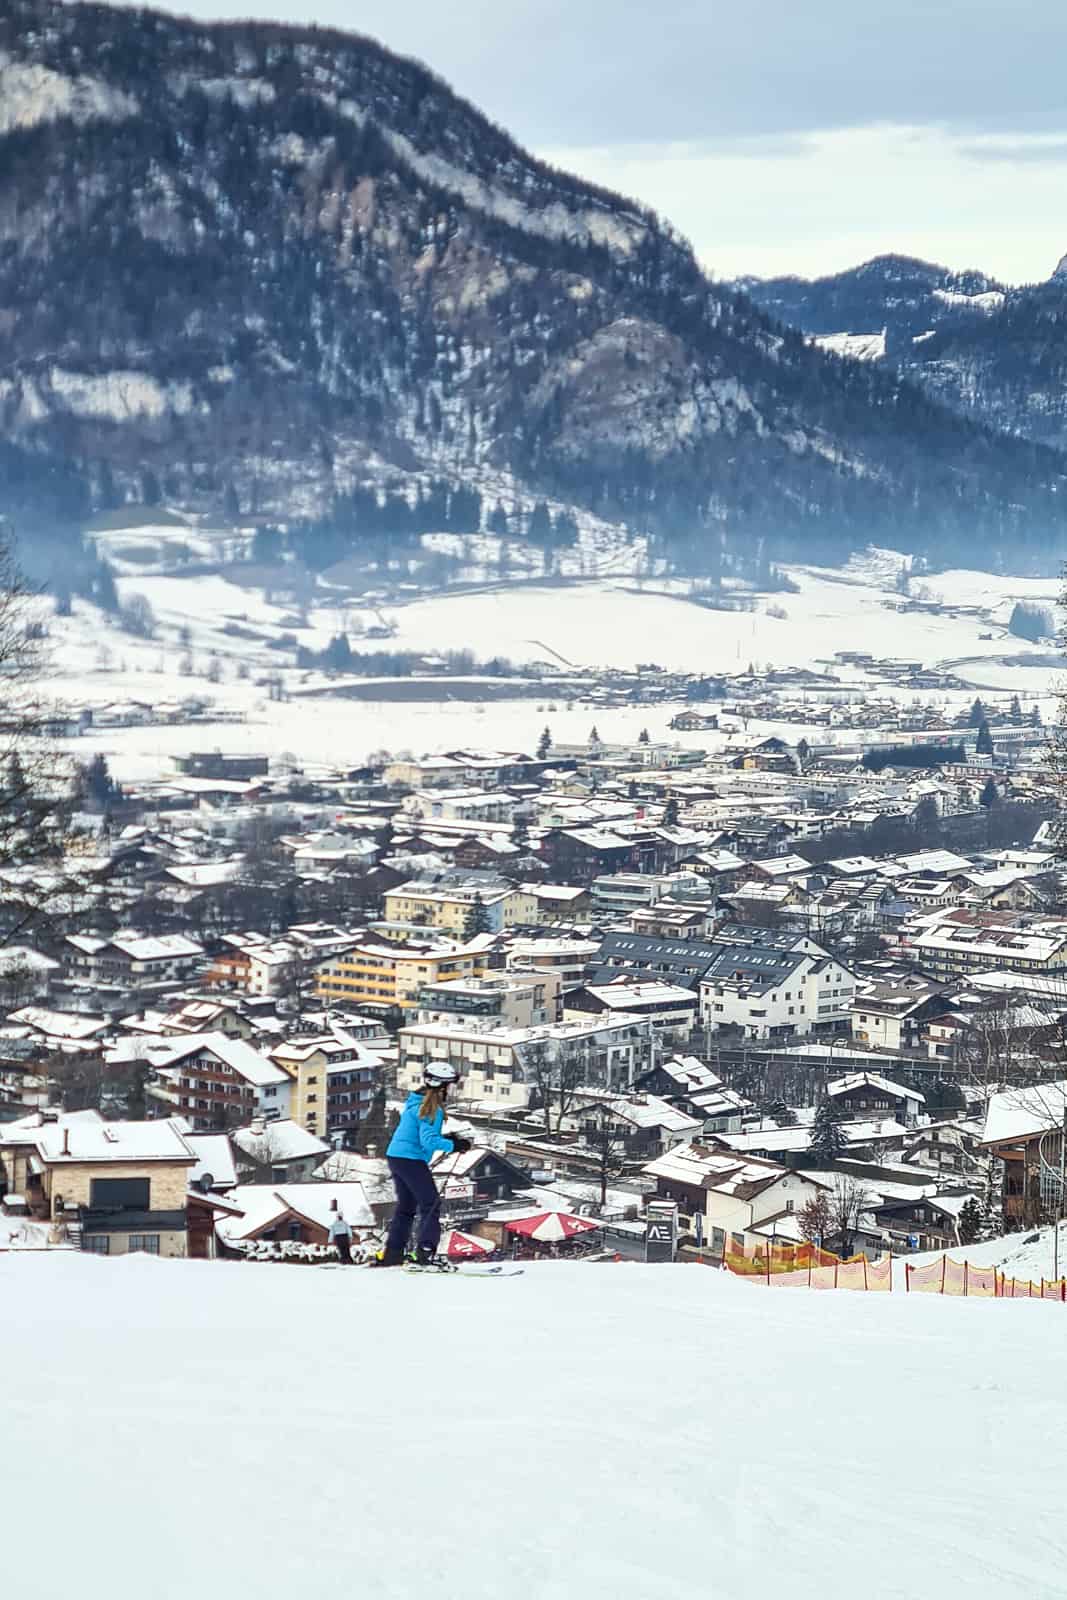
[460,1146]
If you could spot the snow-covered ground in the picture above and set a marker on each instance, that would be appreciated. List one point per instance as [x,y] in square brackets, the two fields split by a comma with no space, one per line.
[625,1432]
[215,637]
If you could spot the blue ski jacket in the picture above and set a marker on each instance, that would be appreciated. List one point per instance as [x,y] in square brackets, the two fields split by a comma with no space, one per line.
[416,1138]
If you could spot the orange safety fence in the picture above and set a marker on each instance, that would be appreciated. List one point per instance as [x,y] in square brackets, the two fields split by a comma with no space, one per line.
[984,1283]
[805,1266]
[773,1259]
[808,1267]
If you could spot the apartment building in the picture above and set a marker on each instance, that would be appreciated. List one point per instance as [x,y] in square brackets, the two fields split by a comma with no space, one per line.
[448,906]
[775,993]
[334,1079]
[964,941]
[378,976]
[515,1000]
[498,1063]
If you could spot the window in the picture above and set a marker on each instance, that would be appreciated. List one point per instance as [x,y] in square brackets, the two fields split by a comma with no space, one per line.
[118,1194]
[269,1094]
[148,1242]
[312,1099]
[97,1244]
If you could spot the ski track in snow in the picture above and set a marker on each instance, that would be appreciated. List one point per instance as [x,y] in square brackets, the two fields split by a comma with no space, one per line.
[625,1432]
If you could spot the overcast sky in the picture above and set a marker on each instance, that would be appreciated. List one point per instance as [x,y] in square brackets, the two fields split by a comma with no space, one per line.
[779,135]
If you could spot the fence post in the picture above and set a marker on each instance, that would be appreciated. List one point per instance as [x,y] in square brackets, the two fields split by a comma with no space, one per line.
[837,1263]
[907,1277]
[944,1263]
[965,1280]
[865,1272]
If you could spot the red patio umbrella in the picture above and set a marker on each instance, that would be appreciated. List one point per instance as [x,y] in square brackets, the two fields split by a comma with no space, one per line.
[550,1227]
[455,1243]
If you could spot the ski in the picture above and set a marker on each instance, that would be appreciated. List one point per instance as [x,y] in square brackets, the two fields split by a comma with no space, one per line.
[468,1269]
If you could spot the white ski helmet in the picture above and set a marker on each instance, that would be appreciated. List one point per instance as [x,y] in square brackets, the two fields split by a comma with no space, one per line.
[440,1072]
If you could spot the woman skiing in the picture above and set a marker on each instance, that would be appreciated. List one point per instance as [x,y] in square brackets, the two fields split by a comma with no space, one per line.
[418,1136]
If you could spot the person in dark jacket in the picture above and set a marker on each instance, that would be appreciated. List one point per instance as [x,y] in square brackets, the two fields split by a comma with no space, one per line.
[417,1138]
[340,1234]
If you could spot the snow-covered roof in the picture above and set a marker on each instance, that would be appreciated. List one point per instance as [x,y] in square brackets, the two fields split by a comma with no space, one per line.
[235,1053]
[58,1024]
[263,1204]
[1022,1113]
[283,1140]
[874,1080]
[161,1140]
[214,1159]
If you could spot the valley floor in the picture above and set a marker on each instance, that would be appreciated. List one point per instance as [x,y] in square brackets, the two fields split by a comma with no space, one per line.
[631,1432]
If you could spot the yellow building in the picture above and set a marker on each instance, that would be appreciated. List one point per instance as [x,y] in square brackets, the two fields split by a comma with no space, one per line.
[385,975]
[448,908]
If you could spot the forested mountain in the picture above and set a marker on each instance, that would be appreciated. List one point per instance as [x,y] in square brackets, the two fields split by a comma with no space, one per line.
[268,272]
[994,354]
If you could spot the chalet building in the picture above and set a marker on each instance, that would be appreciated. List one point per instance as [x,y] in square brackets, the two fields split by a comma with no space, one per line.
[928,1222]
[478,1178]
[1023,1129]
[216,1082]
[276,1152]
[297,1213]
[113,1187]
[732,1195]
[892,1016]
[868,1097]
[641,1125]
[130,958]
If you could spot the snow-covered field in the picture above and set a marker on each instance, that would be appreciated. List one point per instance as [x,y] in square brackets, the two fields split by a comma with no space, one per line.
[214,637]
[625,1432]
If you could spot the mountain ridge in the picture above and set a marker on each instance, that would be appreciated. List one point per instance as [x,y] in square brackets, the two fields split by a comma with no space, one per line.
[314,273]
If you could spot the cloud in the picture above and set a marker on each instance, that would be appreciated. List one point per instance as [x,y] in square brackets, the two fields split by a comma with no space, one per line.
[1021,148]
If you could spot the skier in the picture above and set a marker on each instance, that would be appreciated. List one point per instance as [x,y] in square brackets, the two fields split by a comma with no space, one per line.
[417,1137]
[340,1233]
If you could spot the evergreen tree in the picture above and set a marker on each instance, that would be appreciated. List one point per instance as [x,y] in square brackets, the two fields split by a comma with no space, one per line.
[594,736]
[977,715]
[827,1142]
[544,744]
[969,1222]
[642,737]
[477,919]
[520,830]
[989,795]
[984,742]
[803,752]
[539,527]
[1033,716]
[372,1129]
[498,521]
[1015,712]
[100,787]
[670,812]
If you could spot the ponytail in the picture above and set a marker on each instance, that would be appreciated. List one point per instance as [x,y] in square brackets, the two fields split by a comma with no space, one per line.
[433,1101]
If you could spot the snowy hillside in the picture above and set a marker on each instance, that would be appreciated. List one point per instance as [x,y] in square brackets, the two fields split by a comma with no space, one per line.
[625,1432]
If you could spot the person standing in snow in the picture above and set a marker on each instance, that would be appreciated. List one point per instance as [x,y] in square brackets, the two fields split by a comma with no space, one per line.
[418,1136]
[340,1234]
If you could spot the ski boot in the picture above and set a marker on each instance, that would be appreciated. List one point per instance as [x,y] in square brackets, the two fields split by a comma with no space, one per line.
[387,1258]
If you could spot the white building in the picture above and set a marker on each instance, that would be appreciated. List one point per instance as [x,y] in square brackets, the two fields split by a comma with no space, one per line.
[775,993]
[500,1064]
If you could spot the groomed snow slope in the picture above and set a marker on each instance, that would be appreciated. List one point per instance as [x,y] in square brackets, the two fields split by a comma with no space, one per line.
[636,1433]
